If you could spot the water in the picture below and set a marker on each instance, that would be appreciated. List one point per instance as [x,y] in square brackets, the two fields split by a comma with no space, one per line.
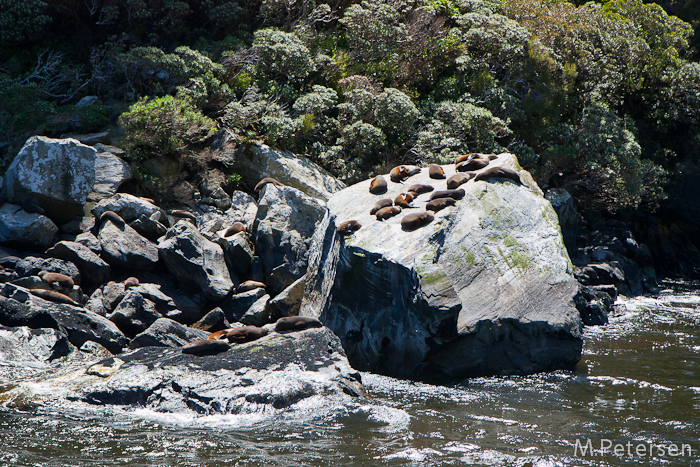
[637,383]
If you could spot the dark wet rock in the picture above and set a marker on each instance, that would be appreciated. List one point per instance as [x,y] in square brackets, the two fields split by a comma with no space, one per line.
[287,302]
[287,219]
[134,314]
[14,313]
[149,226]
[91,266]
[25,351]
[195,261]
[80,224]
[238,252]
[124,248]
[32,265]
[235,306]
[594,306]
[486,288]
[165,332]
[213,321]
[25,230]
[257,314]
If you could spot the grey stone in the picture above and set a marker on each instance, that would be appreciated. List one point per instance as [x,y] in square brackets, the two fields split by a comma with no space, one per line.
[563,204]
[134,314]
[236,305]
[485,288]
[123,247]
[91,266]
[25,230]
[148,227]
[96,303]
[238,252]
[287,302]
[25,351]
[78,225]
[129,207]
[90,241]
[110,173]
[243,208]
[165,332]
[170,303]
[213,321]
[258,313]
[31,266]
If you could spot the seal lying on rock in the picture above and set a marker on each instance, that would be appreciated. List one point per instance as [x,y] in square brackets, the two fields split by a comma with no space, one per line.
[53,296]
[403,200]
[348,228]
[399,174]
[456,194]
[296,323]
[474,162]
[113,217]
[382,203]
[458,179]
[54,277]
[385,213]
[205,347]
[436,172]
[499,172]
[378,185]
[131,282]
[182,214]
[235,228]
[239,335]
[249,285]
[416,220]
[264,182]
[418,189]
[439,203]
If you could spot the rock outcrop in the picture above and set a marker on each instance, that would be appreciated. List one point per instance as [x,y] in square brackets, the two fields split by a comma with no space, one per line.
[485,288]
[23,229]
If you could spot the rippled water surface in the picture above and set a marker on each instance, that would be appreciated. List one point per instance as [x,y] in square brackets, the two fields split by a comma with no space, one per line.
[638,383]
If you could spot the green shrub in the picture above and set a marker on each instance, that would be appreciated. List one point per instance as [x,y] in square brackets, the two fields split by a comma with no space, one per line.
[282,53]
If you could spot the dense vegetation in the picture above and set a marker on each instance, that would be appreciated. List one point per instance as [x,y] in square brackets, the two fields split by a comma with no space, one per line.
[600,97]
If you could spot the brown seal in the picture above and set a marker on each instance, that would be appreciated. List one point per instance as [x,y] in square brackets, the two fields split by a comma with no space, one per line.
[235,228]
[348,227]
[264,182]
[53,296]
[239,335]
[468,157]
[399,174]
[458,179]
[182,214]
[296,323]
[31,205]
[249,285]
[403,200]
[382,203]
[378,185]
[113,217]
[435,171]
[499,172]
[61,279]
[416,220]
[205,347]
[418,189]
[439,203]
[385,213]
[456,194]
[131,282]
[471,165]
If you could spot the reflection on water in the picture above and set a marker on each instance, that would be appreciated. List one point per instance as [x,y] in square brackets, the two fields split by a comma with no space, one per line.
[637,383]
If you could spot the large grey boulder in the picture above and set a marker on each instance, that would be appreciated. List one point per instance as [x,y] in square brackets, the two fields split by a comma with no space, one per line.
[124,248]
[134,314]
[254,162]
[93,268]
[59,173]
[196,261]
[23,229]
[485,288]
[238,252]
[129,207]
[165,332]
[286,222]
[25,351]
[110,172]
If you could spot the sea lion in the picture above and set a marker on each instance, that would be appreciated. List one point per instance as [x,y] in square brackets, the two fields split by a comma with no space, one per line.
[113,217]
[399,174]
[472,164]
[182,214]
[418,189]
[131,282]
[439,203]
[436,172]
[378,185]
[296,323]
[235,228]
[249,285]
[456,194]
[348,227]
[31,205]
[205,347]
[499,172]
[61,279]
[458,179]
[382,203]
[403,200]
[467,157]
[239,335]
[264,182]
[416,220]
[53,296]
[385,213]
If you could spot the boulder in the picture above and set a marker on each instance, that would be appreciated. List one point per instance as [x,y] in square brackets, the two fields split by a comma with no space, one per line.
[25,351]
[78,225]
[31,266]
[485,288]
[59,173]
[110,173]
[258,313]
[165,332]
[563,204]
[91,266]
[134,314]
[172,304]
[235,306]
[593,306]
[238,252]
[253,162]
[243,208]
[286,222]
[196,261]
[25,230]
[287,302]
[124,248]
[129,207]
[213,321]
[90,241]
[149,226]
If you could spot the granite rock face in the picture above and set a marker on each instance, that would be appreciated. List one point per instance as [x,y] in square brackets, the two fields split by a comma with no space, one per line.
[123,247]
[485,288]
[24,229]
[110,172]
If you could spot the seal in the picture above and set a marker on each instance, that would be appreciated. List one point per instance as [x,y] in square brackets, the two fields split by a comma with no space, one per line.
[264,182]
[31,205]
[456,194]
[131,282]
[439,203]
[378,185]
[416,220]
[436,172]
[385,213]
[470,156]
[382,203]
[472,164]
[235,228]
[458,179]
[202,347]
[499,172]
[61,279]
[239,335]
[348,228]
[403,200]
[249,285]
[182,214]
[113,217]
[53,296]
[399,173]
[296,323]
[418,189]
